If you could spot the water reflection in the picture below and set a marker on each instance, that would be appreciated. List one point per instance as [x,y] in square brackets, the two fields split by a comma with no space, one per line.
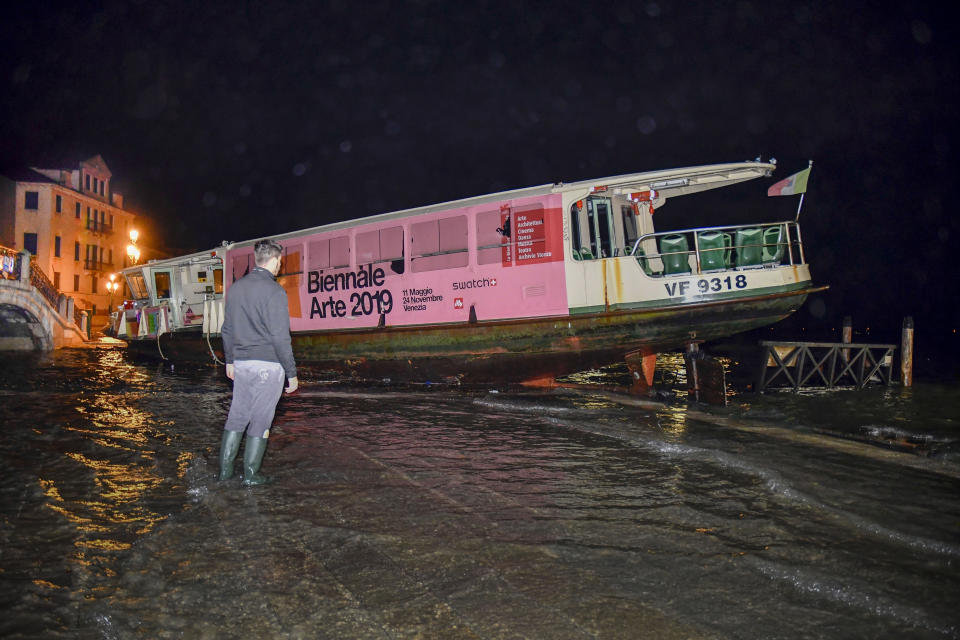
[673,421]
[80,428]
[401,512]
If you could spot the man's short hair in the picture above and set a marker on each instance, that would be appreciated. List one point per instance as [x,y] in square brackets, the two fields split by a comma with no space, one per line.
[264,250]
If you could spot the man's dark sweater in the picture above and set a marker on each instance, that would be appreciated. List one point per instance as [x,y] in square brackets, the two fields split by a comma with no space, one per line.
[256,323]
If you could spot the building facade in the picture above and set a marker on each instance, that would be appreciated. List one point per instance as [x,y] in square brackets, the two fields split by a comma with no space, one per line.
[74,223]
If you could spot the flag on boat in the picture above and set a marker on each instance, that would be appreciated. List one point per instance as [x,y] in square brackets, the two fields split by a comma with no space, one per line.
[797,183]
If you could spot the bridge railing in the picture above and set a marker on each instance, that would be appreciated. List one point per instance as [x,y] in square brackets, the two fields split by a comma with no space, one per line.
[42,283]
[11,268]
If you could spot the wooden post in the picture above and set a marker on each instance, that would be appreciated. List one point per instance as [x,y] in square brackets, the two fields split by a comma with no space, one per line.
[712,381]
[847,336]
[690,359]
[906,352]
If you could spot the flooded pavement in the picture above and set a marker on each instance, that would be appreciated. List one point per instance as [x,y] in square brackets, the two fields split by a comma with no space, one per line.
[436,512]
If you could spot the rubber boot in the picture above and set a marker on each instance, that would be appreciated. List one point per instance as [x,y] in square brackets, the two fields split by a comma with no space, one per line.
[229,445]
[252,457]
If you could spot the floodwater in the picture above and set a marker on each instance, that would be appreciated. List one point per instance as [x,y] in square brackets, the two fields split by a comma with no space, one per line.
[438,512]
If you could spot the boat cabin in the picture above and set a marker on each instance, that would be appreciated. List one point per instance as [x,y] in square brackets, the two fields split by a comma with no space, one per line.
[177,293]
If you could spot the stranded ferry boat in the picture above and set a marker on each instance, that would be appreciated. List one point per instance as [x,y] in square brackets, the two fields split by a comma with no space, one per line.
[521,285]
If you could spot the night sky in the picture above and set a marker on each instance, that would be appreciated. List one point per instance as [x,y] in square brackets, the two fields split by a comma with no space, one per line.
[233,120]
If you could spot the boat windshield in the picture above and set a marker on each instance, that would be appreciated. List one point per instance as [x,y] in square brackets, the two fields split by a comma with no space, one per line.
[138,286]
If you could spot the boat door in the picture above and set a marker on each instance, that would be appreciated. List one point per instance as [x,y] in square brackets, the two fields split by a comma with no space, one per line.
[600,222]
[162,281]
[591,238]
[197,284]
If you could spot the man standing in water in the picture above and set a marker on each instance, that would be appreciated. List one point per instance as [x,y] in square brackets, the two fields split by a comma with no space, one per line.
[256,345]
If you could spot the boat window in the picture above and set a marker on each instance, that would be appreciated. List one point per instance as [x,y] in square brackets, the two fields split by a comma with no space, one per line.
[138,286]
[591,225]
[630,231]
[453,234]
[161,281]
[329,253]
[424,239]
[493,235]
[575,228]
[318,255]
[292,261]
[291,269]
[368,247]
[241,265]
[391,243]
[439,244]
[218,280]
[339,252]
[598,213]
[381,245]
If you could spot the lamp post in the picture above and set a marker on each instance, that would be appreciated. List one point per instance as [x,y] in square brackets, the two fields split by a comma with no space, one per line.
[133,252]
[112,286]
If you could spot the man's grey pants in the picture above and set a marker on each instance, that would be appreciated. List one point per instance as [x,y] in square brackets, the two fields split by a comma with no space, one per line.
[257,386]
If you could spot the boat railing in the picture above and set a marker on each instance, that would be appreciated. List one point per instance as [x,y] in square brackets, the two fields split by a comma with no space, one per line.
[708,249]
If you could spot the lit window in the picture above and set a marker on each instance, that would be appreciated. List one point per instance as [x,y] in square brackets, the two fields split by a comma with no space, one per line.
[161,281]
[291,262]
[138,287]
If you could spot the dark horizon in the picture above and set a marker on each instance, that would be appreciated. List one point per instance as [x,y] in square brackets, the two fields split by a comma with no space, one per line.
[228,123]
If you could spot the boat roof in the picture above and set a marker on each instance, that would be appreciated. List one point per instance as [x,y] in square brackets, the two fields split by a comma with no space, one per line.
[163,263]
[667,183]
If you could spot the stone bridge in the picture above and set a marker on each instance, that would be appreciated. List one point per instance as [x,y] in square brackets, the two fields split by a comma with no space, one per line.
[34,316]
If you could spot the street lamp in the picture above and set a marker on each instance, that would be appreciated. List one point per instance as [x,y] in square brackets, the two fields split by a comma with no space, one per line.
[132,251]
[112,286]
